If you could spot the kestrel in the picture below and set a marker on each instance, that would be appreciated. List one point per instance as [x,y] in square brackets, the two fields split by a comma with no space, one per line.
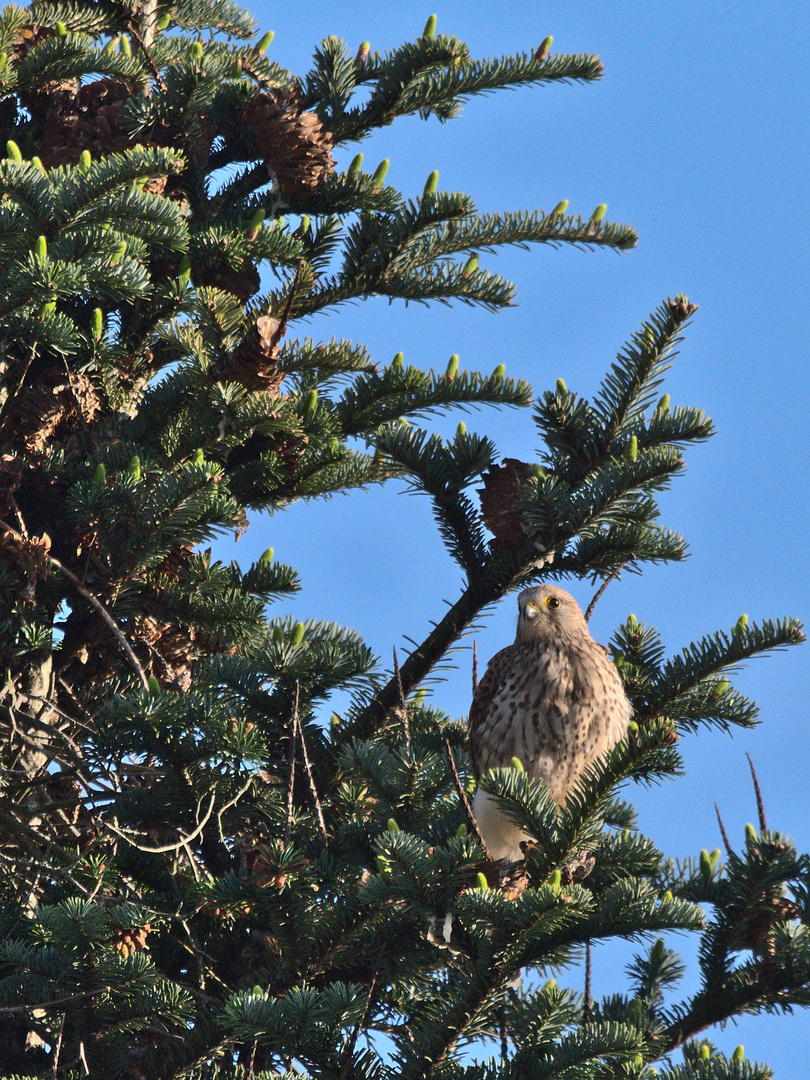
[554,700]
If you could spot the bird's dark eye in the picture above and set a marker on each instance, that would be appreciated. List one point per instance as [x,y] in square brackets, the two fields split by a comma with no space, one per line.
[553,602]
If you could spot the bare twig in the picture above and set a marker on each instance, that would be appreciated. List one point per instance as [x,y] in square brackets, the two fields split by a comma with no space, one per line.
[57,1049]
[763,825]
[177,845]
[345,1069]
[465,804]
[307,767]
[586,1003]
[726,844]
[475,668]
[291,773]
[88,596]
[16,1010]
[503,1030]
[402,708]
[597,596]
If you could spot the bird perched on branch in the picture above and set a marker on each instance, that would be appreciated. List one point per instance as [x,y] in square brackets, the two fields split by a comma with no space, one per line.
[553,699]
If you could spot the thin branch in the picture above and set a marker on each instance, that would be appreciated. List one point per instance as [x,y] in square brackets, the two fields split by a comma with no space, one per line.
[402,708]
[307,767]
[598,594]
[175,847]
[88,596]
[358,1027]
[587,999]
[291,773]
[17,1010]
[763,825]
[57,1049]
[145,49]
[465,805]
[475,668]
[726,844]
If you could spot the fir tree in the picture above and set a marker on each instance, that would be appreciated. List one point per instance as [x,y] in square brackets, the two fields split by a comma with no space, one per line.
[200,878]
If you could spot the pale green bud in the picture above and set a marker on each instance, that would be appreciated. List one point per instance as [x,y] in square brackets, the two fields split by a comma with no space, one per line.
[555,881]
[356,165]
[267,557]
[198,457]
[431,184]
[196,51]
[362,53]
[542,50]
[461,832]
[263,44]
[721,687]
[380,173]
[742,623]
[667,896]
[85,161]
[134,468]
[392,826]
[663,405]
[120,252]
[430,28]
[278,635]
[452,367]
[599,212]
[383,865]
[461,429]
[100,475]
[471,265]
[154,686]
[97,324]
[657,951]
[750,834]
[310,402]
[499,372]
[560,208]
[41,248]
[632,728]
[517,764]
[163,22]
[705,864]
[561,387]
[631,452]
[738,1055]
[297,635]
[705,1052]
[124,46]
[255,223]
[305,224]
[184,272]
[481,882]
[36,161]
[714,858]
[61,29]
[396,363]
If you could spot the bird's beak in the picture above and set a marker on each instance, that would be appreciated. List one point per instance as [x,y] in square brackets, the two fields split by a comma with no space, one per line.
[531,611]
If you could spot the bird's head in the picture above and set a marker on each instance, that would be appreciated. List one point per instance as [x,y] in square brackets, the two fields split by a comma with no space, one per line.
[548,612]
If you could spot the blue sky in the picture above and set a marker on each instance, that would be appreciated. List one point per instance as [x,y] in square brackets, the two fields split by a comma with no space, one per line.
[697,137]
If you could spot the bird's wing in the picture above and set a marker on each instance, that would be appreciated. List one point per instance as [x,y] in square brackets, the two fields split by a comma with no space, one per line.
[486,690]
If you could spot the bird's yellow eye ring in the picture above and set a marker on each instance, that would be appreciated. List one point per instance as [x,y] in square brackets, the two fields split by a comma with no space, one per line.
[553,602]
